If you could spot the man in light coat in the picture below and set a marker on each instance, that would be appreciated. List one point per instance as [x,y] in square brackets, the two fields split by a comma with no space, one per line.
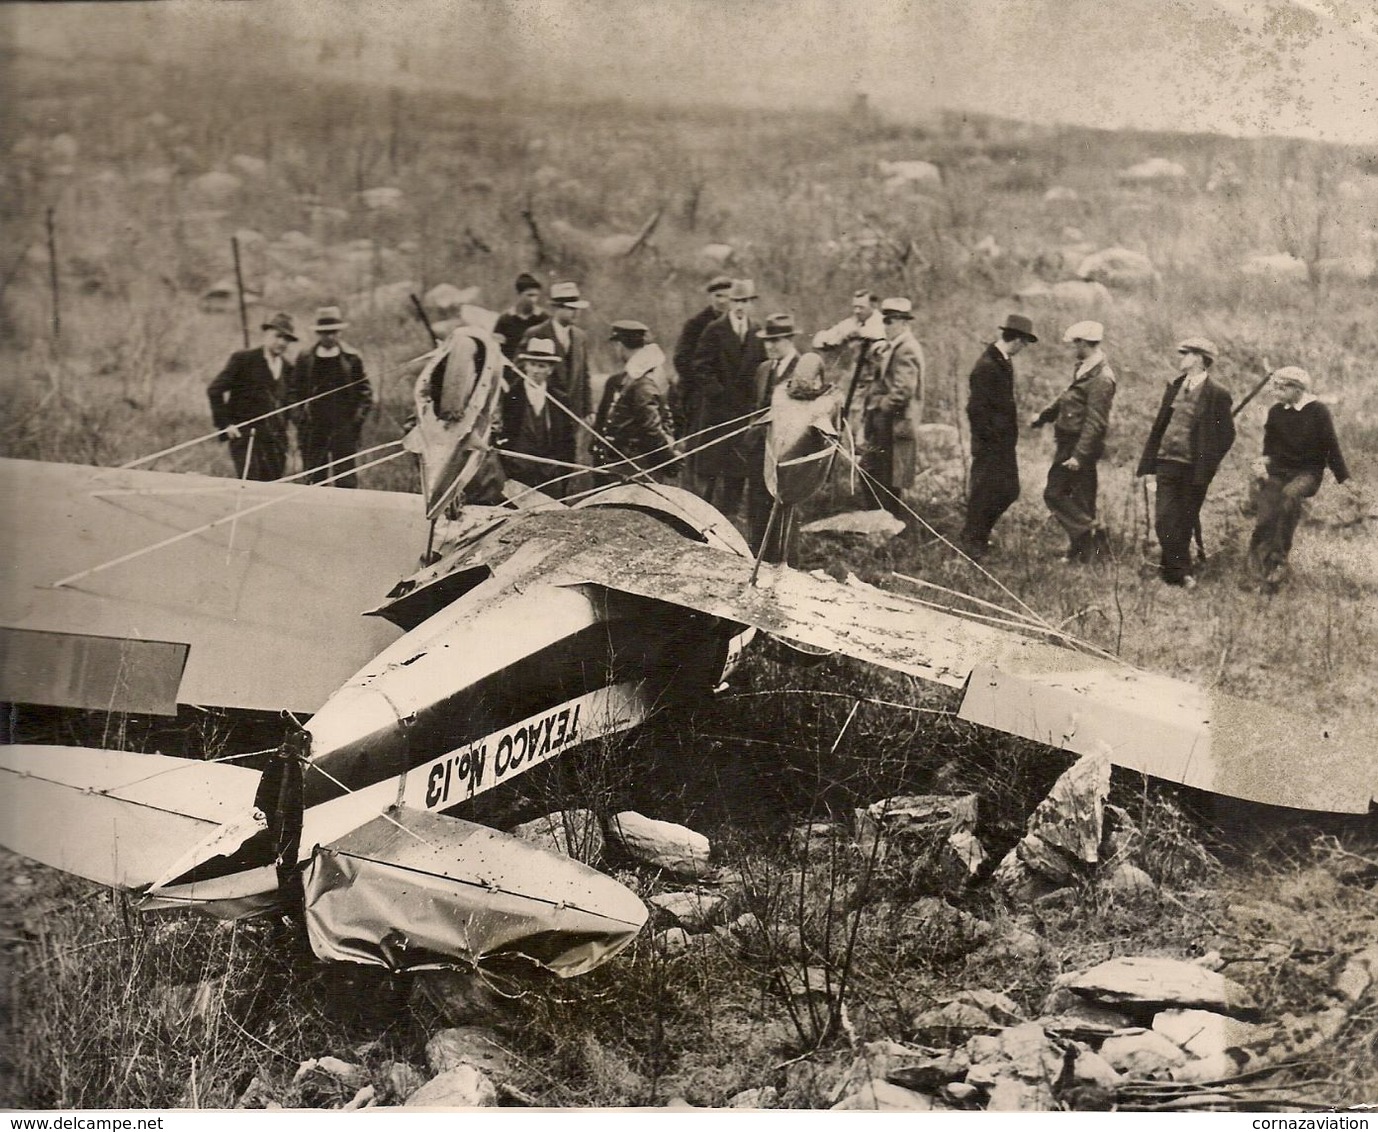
[1080,418]
[1190,436]
[894,408]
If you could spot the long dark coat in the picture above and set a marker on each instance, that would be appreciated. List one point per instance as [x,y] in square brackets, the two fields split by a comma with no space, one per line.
[243,390]
[725,369]
[991,410]
[535,434]
[330,414]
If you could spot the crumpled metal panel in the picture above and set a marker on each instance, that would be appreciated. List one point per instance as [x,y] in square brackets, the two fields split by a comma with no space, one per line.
[1182,733]
[413,890]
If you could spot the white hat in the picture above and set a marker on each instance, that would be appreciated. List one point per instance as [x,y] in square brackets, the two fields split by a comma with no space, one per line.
[896,308]
[1084,332]
[1294,375]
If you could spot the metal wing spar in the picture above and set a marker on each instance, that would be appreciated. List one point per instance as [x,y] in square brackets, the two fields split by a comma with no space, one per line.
[1146,722]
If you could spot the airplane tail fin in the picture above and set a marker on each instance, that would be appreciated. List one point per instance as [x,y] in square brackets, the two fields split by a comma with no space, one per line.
[413,890]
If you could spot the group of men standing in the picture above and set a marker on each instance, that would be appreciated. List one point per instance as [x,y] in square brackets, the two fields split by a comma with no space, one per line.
[325,388]
[729,365]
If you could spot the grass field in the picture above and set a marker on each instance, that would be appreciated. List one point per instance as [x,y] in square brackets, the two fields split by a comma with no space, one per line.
[140,236]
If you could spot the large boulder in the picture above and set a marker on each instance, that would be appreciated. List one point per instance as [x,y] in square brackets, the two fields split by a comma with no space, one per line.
[385,198]
[1143,1053]
[876,525]
[663,844]
[1158,983]
[249,166]
[447,299]
[475,1045]
[694,911]
[1061,194]
[1063,835]
[1119,267]
[1204,1033]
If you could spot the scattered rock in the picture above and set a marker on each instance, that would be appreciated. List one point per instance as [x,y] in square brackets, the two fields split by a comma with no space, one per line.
[1276,269]
[382,199]
[1017,1067]
[1130,880]
[672,940]
[878,525]
[767,1096]
[693,911]
[1203,1033]
[1085,1021]
[475,1045]
[931,1073]
[932,832]
[717,255]
[1156,982]
[447,299]
[960,1092]
[402,1079]
[364,1098]
[216,185]
[816,838]
[952,1023]
[1142,1053]
[1155,170]
[1081,293]
[900,173]
[1061,194]
[663,844]
[1119,267]
[571,833]
[1090,1068]
[878,1095]
[460,1087]
[249,166]
[394,297]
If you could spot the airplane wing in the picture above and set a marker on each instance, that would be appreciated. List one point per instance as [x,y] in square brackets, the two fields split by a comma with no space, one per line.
[1079,702]
[258,612]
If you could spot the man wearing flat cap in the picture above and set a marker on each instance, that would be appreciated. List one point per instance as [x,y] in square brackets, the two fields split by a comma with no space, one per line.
[784,363]
[635,430]
[1080,418]
[686,393]
[524,314]
[1190,436]
[725,363]
[251,387]
[569,383]
[894,408]
[994,421]
[531,426]
[332,373]
[1299,443]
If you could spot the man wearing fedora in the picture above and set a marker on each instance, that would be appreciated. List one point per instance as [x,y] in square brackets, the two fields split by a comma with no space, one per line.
[525,313]
[1080,418]
[569,381]
[1190,436]
[250,386]
[635,429]
[328,427]
[729,353]
[531,425]
[686,392]
[893,408]
[994,421]
[783,362]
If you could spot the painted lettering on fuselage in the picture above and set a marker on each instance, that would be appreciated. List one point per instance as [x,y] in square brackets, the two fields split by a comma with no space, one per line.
[484,763]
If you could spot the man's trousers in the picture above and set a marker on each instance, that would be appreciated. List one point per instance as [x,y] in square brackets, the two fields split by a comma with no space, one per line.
[1280,501]
[993,489]
[1071,497]
[1175,513]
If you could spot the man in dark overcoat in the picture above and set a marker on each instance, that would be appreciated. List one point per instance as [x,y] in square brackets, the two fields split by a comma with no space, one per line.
[1192,432]
[531,425]
[249,387]
[330,377]
[994,421]
[725,364]
[569,381]
[685,396]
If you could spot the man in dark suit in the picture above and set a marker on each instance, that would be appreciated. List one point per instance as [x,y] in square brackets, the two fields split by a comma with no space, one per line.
[686,392]
[330,377]
[530,423]
[1192,432]
[249,387]
[725,363]
[569,381]
[994,420]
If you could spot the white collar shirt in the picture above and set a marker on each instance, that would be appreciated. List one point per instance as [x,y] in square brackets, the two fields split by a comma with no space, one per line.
[274,364]
[1095,359]
[535,396]
[561,333]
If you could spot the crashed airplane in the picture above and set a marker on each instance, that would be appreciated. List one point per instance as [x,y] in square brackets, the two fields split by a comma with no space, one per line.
[530,628]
